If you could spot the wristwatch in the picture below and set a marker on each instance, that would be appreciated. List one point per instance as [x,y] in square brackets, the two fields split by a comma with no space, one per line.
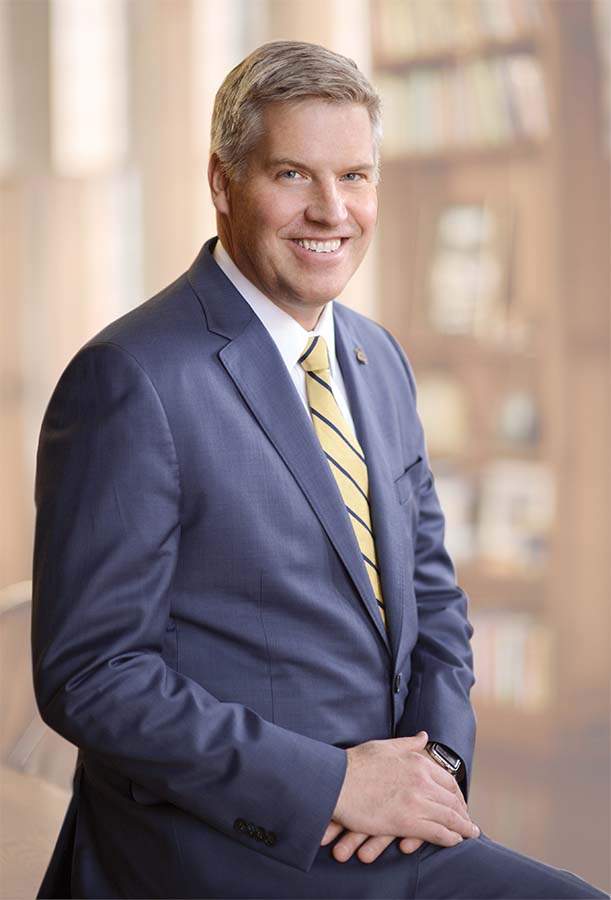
[445,757]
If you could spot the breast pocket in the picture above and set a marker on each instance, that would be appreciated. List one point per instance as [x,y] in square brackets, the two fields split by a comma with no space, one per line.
[407,484]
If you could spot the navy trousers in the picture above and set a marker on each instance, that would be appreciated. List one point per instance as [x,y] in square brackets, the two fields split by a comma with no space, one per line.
[481,869]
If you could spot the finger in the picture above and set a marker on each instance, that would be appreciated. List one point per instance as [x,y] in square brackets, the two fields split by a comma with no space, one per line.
[332,831]
[373,847]
[347,845]
[438,794]
[459,795]
[410,845]
[451,820]
[419,740]
[441,776]
[438,834]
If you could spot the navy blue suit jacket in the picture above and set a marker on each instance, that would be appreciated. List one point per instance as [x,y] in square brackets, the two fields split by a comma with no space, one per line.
[204,629]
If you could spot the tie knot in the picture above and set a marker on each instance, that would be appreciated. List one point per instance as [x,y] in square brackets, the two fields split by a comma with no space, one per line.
[315,357]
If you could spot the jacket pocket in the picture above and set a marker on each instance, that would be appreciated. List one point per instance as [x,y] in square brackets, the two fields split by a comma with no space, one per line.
[407,483]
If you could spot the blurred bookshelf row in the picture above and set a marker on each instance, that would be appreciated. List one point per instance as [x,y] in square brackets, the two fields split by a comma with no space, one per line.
[420,28]
[460,74]
[513,656]
[494,268]
[489,101]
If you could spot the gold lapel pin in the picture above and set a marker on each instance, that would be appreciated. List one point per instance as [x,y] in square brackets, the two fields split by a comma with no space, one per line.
[360,355]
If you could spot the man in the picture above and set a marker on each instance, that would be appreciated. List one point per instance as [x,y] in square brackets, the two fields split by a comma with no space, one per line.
[244,615]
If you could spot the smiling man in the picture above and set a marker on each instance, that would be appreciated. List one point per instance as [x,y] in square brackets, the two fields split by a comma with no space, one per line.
[300,221]
[244,615]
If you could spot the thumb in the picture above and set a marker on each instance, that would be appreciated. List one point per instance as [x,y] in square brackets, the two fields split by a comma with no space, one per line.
[417,742]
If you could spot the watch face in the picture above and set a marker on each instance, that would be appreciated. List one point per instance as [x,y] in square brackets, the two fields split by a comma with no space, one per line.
[445,757]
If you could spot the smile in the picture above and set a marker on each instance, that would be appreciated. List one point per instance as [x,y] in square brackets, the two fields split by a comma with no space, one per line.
[320,246]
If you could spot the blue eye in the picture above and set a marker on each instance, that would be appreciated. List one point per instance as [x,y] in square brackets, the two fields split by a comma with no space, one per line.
[353,176]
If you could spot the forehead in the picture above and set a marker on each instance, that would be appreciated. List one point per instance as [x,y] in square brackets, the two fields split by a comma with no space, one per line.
[317,129]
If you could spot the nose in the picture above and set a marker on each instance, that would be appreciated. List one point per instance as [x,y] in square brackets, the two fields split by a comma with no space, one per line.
[327,206]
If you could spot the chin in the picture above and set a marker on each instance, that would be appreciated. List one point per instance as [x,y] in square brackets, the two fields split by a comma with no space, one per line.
[313,293]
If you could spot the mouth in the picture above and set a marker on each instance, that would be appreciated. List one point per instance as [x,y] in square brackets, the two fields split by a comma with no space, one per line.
[312,246]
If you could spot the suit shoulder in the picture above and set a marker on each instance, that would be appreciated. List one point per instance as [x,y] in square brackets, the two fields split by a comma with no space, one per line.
[155,323]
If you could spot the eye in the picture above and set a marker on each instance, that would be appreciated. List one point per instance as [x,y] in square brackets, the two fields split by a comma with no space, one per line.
[290,175]
[353,176]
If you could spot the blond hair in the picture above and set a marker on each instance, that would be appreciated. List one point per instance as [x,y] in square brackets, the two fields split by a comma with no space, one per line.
[283,71]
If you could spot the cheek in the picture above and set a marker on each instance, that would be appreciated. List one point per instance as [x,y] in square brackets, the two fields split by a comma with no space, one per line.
[370,212]
[365,212]
[274,211]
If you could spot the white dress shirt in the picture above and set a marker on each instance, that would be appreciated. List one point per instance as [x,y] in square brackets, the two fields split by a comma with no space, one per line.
[288,335]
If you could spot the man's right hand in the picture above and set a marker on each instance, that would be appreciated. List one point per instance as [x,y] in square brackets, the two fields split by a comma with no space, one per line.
[392,787]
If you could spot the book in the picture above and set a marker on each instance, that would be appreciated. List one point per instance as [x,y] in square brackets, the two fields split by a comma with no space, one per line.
[456,494]
[512,653]
[467,279]
[519,419]
[443,406]
[516,514]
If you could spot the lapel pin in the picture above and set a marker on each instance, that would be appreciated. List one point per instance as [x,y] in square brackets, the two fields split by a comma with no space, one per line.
[360,355]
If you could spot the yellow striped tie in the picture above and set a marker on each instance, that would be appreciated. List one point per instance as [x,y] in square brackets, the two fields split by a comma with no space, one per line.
[344,453]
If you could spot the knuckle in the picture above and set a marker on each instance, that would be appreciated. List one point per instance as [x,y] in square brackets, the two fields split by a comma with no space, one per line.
[405,823]
[418,780]
[455,821]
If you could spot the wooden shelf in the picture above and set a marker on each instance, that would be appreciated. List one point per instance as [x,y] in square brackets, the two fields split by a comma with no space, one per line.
[515,733]
[511,592]
[462,155]
[448,56]
[468,351]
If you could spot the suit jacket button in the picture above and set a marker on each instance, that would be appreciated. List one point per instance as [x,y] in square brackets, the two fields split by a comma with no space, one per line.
[397,682]
[260,834]
[239,825]
[270,839]
[251,829]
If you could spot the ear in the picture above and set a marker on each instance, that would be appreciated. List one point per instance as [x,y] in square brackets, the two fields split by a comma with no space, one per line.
[219,185]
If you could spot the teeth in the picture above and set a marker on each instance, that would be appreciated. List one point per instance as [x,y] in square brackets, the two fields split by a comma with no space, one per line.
[320,246]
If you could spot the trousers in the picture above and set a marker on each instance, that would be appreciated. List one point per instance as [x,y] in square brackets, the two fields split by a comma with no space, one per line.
[481,868]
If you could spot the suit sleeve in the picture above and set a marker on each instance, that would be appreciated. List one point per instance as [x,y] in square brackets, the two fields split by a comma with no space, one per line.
[442,663]
[107,542]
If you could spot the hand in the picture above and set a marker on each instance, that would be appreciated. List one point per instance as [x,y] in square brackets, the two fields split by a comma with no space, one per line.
[366,847]
[436,808]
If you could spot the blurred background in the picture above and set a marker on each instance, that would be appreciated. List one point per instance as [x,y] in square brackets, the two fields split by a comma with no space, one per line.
[491,266]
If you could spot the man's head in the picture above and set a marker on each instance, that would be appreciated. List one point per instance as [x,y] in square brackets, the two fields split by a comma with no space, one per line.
[295,144]
[283,71]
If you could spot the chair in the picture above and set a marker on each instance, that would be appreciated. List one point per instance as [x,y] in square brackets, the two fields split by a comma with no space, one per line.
[36,765]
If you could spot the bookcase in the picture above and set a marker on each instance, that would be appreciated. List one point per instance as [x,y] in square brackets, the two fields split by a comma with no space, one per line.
[493,259]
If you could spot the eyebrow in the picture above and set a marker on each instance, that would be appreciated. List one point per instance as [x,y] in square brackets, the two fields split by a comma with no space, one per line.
[295,164]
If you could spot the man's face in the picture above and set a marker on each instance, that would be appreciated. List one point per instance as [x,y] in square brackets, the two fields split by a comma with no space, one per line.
[299,221]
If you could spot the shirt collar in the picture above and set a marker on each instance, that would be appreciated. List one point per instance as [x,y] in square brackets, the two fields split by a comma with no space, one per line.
[288,335]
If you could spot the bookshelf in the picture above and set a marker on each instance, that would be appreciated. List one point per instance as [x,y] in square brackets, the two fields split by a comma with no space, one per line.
[460,76]
[493,258]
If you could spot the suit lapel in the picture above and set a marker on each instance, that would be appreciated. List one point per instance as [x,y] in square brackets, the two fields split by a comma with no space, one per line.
[253,362]
[388,525]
